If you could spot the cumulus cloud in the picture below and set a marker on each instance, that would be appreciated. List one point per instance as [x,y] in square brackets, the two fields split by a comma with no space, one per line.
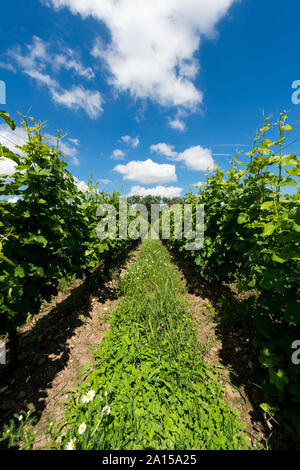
[7,166]
[162,191]
[81,185]
[39,61]
[197,158]
[117,155]
[177,124]
[194,158]
[199,184]
[132,141]
[152,52]
[18,137]
[164,149]
[147,172]
[11,140]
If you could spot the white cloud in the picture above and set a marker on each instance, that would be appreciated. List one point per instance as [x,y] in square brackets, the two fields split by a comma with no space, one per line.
[42,78]
[147,172]
[7,166]
[68,62]
[40,62]
[177,124]
[69,151]
[162,191]
[164,149]
[197,158]
[41,54]
[74,141]
[18,137]
[13,200]
[153,45]
[222,154]
[194,158]
[133,141]
[79,97]
[199,184]
[81,185]
[6,66]
[11,139]
[117,155]
[105,181]
[67,147]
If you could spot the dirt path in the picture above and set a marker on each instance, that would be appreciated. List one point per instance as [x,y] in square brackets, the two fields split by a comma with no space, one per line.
[228,347]
[201,302]
[55,347]
[212,346]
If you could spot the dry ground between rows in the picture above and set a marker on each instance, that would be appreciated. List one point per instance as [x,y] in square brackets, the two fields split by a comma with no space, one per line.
[56,346]
[228,348]
[212,347]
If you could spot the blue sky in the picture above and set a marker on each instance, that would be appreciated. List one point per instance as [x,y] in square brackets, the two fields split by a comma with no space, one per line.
[190,75]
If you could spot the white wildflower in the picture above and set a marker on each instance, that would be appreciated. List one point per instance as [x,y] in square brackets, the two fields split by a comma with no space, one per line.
[82,428]
[106,410]
[71,445]
[88,397]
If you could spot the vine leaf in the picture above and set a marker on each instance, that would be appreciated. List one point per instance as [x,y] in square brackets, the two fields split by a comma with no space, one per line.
[4,115]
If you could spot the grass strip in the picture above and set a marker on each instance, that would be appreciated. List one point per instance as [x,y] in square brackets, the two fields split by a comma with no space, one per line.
[149,388]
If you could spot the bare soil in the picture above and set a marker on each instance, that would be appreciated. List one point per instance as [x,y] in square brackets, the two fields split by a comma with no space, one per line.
[55,347]
[227,346]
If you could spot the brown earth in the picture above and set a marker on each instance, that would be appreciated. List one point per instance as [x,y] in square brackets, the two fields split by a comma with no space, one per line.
[211,347]
[227,345]
[55,347]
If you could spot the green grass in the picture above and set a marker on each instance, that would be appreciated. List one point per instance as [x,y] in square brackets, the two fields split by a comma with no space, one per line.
[150,373]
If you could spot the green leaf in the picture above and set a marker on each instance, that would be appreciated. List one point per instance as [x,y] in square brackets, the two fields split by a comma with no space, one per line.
[293,172]
[268,359]
[268,229]
[39,239]
[4,115]
[198,260]
[265,407]
[242,218]
[278,259]
[19,272]
[267,204]
[273,279]
[279,378]
[290,159]
[287,182]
